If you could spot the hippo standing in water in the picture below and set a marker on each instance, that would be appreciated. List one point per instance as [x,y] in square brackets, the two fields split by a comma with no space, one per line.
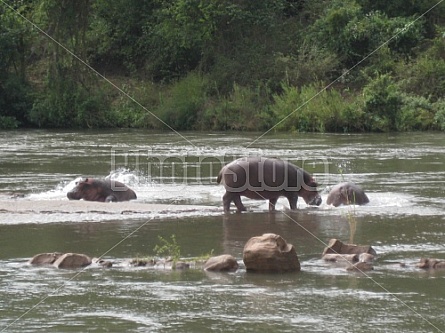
[105,190]
[266,178]
[346,194]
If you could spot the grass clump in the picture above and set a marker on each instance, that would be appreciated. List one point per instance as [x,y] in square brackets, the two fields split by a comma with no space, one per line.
[169,248]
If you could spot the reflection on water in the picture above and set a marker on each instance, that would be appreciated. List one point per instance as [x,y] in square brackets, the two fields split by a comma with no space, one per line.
[403,176]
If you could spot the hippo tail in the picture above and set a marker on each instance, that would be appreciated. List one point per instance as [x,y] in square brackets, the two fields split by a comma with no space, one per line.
[220,179]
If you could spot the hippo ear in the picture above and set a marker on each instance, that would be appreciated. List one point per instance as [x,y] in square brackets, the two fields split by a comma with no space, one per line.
[312,182]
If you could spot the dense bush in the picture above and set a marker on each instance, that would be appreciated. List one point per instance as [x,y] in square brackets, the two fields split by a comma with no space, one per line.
[242,109]
[425,76]
[67,103]
[15,92]
[315,109]
[440,114]
[15,102]
[224,65]
[135,104]
[416,113]
[382,103]
[354,34]
[179,108]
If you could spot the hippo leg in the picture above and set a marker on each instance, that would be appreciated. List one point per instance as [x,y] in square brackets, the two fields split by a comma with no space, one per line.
[238,203]
[292,198]
[272,204]
[111,198]
[228,197]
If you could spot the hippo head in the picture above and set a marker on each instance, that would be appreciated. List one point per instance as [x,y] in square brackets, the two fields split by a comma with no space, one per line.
[347,194]
[78,192]
[316,200]
[309,192]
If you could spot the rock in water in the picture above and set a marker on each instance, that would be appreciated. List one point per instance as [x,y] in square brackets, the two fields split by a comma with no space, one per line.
[72,261]
[222,263]
[338,247]
[45,258]
[270,253]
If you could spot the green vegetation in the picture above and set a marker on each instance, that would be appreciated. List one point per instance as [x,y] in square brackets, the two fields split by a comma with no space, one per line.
[171,249]
[316,66]
[168,248]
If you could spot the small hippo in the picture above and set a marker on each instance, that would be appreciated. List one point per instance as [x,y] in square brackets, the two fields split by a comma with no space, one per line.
[103,190]
[346,194]
[266,178]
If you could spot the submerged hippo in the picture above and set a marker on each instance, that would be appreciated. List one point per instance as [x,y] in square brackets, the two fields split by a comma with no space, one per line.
[346,194]
[266,178]
[103,190]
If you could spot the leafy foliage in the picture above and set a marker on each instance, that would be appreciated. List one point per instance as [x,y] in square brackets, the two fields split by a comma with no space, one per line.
[314,108]
[416,113]
[382,103]
[224,65]
[68,104]
[180,108]
[169,248]
[425,76]
[354,34]
[15,94]
[440,114]
[243,109]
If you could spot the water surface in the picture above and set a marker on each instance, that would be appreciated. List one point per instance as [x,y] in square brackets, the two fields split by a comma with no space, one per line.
[403,175]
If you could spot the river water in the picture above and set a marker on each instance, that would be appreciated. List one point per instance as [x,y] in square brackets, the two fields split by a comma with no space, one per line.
[403,175]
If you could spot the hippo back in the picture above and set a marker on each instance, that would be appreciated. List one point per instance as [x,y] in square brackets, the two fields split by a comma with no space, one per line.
[347,193]
[264,174]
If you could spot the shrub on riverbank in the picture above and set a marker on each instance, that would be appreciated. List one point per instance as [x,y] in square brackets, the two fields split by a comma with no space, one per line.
[193,103]
[314,108]
[223,65]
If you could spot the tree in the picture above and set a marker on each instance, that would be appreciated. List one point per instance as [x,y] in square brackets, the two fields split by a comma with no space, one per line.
[354,34]
[15,38]
[382,103]
[70,97]
[117,36]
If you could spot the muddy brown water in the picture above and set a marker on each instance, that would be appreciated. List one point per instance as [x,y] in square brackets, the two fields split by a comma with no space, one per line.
[403,175]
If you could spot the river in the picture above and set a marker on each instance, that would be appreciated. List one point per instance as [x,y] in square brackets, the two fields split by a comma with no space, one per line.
[174,177]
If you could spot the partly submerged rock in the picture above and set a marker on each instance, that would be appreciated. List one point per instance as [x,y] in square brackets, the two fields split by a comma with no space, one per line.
[222,263]
[366,257]
[72,261]
[336,257]
[181,265]
[142,262]
[101,262]
[361,267]
[45,258]
[338,247]
[429,263]
[270,253]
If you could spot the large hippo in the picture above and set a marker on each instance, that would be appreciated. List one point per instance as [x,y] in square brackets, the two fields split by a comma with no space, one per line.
[103,190]
[346,194]
[266,178]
